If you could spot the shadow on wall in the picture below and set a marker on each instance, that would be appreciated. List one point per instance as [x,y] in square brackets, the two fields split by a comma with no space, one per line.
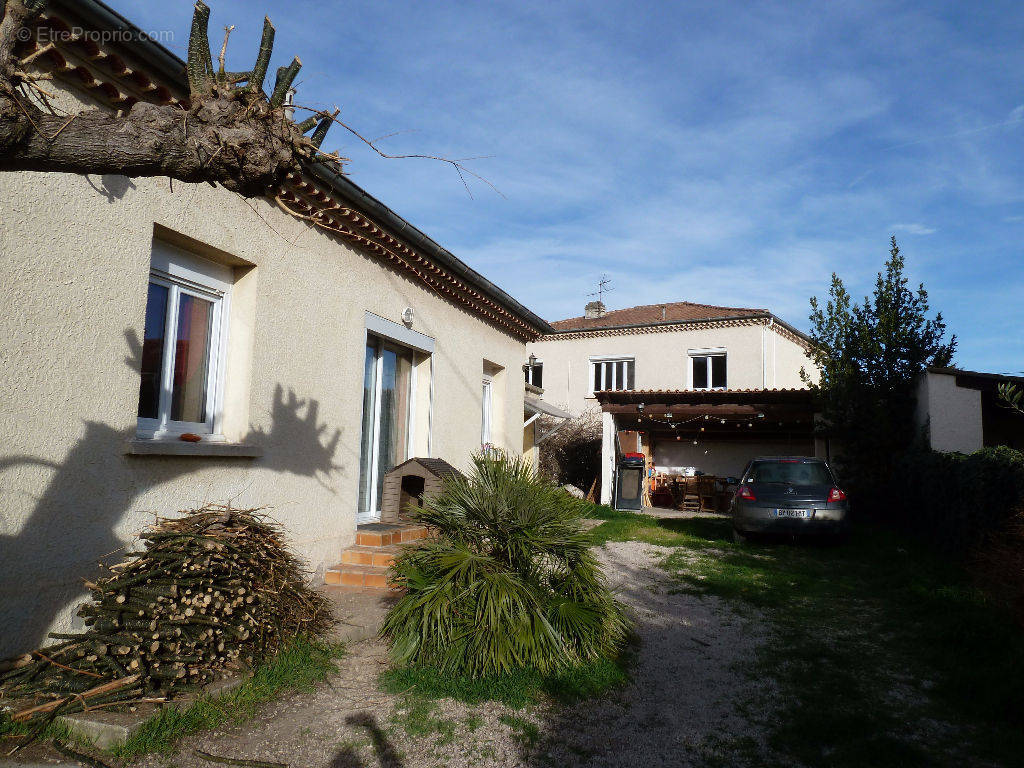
[112,186]
[72,527]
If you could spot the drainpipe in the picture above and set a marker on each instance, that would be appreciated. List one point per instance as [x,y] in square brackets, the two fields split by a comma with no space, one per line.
[608,437]
[764,355]
[289,103]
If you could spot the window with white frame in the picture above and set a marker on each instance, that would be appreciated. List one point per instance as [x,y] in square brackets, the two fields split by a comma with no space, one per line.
[708,369]
[611,373]
[486,412]
[183,346]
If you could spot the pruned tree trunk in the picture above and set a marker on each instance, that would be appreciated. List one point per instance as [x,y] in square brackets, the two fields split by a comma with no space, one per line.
[232,133]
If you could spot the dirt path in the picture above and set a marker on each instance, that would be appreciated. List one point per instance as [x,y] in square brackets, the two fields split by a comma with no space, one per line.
[684,706]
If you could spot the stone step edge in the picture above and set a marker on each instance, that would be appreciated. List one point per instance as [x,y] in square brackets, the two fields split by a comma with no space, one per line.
[358,576]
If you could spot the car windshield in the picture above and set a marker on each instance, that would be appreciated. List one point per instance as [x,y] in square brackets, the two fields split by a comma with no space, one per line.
[789,473]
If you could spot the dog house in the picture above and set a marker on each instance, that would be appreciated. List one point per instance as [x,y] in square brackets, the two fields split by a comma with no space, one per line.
[409,482]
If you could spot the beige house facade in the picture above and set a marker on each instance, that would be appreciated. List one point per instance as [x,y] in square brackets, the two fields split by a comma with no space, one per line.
[299,366]
[668,346]
[677,348]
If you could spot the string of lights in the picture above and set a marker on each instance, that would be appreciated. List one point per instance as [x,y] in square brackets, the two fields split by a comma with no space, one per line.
[675,424]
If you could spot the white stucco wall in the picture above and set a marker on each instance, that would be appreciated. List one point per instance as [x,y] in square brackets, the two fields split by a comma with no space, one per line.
[757,357]
[950,414]
[74,266]
[725,458]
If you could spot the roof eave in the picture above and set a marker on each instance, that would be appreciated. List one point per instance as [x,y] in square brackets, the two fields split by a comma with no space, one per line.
[171,69]
[370,205]
[662,323]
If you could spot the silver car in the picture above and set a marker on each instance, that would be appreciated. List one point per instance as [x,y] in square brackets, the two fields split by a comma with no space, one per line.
[788,494]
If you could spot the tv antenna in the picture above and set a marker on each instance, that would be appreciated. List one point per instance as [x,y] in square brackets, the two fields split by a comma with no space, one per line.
[602,288]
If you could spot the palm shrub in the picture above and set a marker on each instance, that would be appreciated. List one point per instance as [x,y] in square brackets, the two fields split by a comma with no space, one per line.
[509,581]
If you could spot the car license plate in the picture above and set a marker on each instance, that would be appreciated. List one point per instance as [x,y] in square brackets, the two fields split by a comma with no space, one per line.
[792,513]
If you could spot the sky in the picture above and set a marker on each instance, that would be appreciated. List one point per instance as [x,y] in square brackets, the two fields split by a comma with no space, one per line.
[731,153]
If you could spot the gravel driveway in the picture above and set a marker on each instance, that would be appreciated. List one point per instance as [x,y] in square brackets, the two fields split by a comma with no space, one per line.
[685,705]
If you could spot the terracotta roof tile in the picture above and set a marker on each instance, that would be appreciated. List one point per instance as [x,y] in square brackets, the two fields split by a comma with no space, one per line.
[653,314]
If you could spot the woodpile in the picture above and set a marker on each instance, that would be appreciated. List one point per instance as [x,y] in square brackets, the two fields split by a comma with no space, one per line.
[213,590]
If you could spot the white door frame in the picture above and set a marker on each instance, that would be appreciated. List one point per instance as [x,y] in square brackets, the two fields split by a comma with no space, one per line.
[372,514]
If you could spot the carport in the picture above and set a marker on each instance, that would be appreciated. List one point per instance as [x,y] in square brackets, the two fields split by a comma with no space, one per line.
[715,432]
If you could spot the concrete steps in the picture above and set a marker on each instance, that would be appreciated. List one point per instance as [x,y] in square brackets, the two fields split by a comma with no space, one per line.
[365,565]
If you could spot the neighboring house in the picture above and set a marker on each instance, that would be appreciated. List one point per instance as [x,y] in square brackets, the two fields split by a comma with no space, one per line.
[691,386]
[308,365]
[680,345]
[960,411]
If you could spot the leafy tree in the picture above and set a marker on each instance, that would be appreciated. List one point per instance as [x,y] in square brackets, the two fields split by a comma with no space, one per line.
[1012,396]
[870,357]
[508,583]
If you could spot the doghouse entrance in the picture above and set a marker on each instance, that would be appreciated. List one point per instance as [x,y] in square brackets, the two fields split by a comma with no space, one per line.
[412,492]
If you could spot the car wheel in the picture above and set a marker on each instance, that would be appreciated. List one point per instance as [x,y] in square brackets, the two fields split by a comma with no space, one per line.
[738,537]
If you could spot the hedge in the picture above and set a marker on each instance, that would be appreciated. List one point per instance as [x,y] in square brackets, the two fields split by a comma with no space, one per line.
[954,500]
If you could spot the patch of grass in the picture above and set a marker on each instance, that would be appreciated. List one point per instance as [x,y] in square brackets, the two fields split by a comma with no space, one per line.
[601,512]
[698,532]
[473,722]
[516,689]
[526,731]
[871,642]
[11,732]
[297,667]
[589,681]
[416,717]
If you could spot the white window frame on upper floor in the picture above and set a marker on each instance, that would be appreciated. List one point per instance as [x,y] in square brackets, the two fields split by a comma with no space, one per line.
[608,382]
[705,354]
[537,363]
[184,273]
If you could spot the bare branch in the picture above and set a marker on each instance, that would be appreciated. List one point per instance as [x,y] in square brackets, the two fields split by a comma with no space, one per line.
[200,63]
[259,70]
[285,78]
[457,164]
[321,130]
[394,133]
[224,50]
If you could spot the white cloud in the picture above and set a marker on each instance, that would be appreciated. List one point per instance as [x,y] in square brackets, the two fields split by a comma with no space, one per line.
[912,229]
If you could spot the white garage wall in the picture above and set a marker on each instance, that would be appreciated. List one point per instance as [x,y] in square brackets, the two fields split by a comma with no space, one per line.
[724,458]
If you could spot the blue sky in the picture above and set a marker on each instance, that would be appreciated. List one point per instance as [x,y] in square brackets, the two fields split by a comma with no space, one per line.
[729,153]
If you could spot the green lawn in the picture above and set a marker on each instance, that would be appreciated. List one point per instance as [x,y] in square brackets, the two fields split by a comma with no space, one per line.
[883,654]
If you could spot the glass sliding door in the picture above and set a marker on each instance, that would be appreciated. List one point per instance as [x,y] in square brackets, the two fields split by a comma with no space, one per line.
[366,442]
[387,394]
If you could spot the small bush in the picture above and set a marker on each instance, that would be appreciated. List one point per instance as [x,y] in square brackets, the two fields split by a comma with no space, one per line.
[998,563]
[571,452]
[509,583]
